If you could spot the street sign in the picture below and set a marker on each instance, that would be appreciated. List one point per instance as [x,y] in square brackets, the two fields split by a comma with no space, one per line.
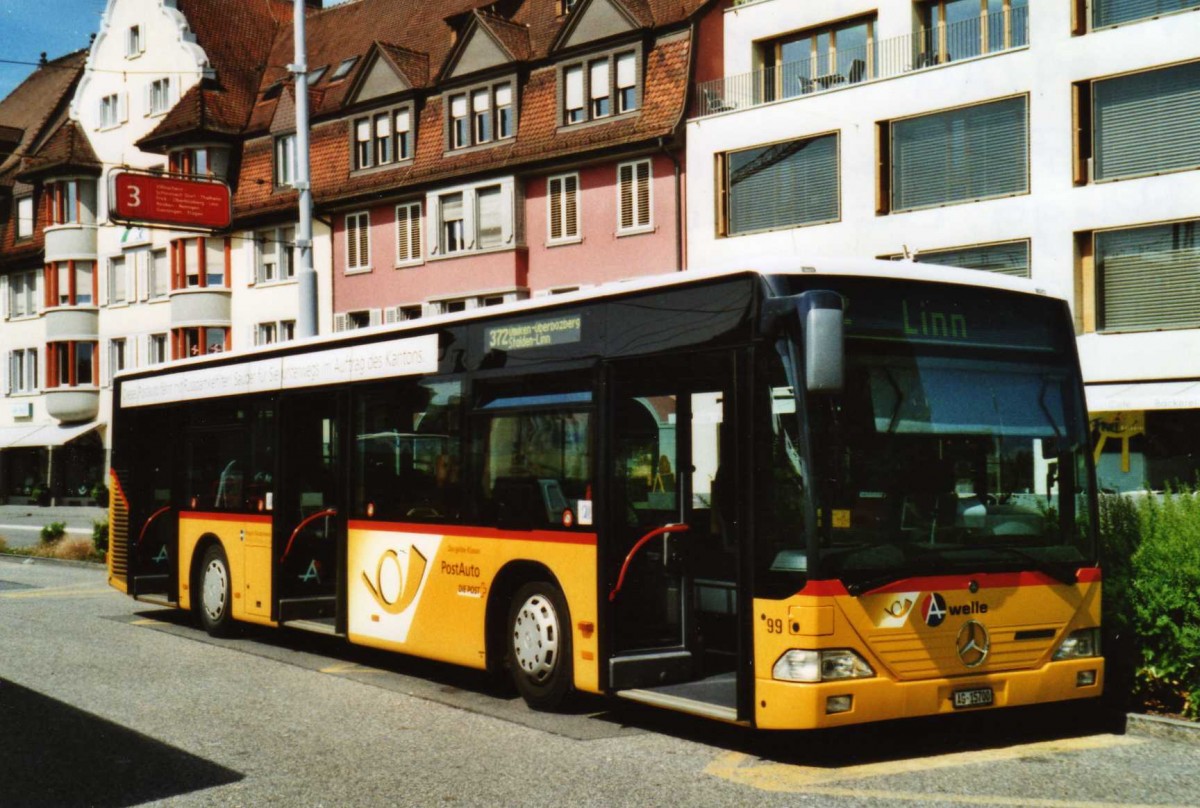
[156,199]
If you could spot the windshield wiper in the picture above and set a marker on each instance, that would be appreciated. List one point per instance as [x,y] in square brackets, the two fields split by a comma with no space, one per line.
[1059,573]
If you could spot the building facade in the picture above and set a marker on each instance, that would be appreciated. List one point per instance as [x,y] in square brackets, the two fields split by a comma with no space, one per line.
[1059,141]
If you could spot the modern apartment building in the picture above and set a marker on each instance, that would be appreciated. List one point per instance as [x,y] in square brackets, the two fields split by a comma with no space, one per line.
[1056,140]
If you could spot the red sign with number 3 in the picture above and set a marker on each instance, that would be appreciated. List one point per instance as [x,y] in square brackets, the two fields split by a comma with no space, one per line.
[151,199]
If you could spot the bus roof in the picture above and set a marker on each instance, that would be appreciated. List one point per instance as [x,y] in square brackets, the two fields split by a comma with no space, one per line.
[762,266]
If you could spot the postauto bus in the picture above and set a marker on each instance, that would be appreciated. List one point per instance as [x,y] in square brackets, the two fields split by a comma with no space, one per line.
[786,495]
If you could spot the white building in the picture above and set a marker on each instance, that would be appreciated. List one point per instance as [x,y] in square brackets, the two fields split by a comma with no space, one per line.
[1058,140]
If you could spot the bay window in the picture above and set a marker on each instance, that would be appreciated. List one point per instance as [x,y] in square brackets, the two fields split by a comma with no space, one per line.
[70,364]
[201,262]
[70,283]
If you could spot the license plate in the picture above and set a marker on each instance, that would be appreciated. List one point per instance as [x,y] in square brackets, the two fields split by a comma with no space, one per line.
[976,697]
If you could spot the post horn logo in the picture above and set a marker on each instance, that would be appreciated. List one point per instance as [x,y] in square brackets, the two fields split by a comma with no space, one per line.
[391,598]
[973,644]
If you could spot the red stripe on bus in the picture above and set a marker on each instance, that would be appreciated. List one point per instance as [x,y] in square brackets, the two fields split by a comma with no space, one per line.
[985,580]
[1089,575]
[823,589]
[258,518]
[459,531]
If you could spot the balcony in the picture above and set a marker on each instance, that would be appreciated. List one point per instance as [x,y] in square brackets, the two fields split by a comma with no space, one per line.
[884,59]
[71,405]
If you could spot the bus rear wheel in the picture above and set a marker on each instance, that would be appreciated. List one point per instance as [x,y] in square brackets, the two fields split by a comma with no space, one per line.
[539,645]
[216,593]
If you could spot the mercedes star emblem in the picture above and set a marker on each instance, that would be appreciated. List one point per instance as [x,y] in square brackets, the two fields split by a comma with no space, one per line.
[973,644]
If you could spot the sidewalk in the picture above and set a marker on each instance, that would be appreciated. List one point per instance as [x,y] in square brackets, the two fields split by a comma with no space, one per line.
[21,525]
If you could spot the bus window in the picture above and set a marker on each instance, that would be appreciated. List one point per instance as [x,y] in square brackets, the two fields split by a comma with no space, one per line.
[216,472]
[407,453]
[536,465]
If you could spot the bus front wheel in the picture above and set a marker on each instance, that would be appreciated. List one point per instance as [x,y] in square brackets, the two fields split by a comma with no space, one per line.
[539,645]
[216,593]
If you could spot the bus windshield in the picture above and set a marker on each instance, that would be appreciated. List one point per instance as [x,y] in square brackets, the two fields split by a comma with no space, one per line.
[943,455]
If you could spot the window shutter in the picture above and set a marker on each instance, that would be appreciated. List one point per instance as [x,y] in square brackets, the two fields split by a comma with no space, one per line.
[643,194]
[556,218]
[489,227]
[9,368]
[960,155]
[123,106]
[1149,277]
[570,209]
[458,106]
[403,121]
[146,96]
[5,299]
[503,95]
[625,181]
[339,322]
[784,185]
[1147,122]
[375,317]
[626,77]
[390,315]
[364,240]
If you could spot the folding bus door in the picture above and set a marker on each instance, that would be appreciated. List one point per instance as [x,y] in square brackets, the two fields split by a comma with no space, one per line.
[309,513]
[671,549]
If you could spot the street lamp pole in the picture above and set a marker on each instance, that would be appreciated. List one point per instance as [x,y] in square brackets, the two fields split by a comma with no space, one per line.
[306,275]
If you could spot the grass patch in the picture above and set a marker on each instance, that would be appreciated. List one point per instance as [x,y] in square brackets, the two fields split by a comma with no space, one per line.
[64,548]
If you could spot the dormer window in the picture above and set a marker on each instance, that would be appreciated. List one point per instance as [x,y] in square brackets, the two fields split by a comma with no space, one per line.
[383,138]
[285,160]
[343,68]
[480,115]
[190,162]
[599,87]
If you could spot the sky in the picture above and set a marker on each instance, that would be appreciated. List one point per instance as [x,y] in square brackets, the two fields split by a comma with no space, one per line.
[30,27]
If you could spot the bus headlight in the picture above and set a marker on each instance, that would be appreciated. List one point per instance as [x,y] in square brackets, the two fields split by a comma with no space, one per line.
[1080,645]
[821,666]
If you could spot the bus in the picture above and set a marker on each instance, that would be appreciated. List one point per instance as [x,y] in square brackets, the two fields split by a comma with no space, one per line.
[788,496]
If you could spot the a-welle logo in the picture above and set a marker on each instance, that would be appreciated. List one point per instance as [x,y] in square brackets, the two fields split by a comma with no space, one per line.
[395,592]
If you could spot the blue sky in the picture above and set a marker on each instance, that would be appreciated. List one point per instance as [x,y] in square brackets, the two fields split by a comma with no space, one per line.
[29,27]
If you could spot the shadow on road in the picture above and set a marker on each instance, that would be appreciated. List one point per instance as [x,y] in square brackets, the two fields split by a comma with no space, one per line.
[57,755]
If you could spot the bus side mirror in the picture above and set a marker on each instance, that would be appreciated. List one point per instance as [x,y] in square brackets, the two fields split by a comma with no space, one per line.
[822,316]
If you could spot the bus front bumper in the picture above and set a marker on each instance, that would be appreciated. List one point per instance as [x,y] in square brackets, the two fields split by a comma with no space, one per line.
[796,705]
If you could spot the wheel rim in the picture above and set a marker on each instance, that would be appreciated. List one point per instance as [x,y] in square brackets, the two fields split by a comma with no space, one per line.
[216,589]
[535,638]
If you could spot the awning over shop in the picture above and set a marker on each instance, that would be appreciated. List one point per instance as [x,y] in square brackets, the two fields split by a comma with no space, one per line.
[53,435]
[10,434]
[1179,395]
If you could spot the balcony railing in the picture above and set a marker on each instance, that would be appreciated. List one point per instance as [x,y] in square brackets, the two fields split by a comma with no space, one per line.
[928,47]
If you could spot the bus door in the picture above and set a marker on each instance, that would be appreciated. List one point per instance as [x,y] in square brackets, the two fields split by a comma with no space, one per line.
[153,521]
[309,514]
[672,550]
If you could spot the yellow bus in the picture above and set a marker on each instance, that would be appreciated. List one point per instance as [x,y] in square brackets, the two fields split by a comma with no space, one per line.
[786,496]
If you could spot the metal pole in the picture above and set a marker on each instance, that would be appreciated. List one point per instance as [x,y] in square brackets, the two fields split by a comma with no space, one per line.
[306,275]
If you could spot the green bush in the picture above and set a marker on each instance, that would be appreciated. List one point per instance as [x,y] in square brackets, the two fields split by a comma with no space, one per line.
[1120,534]
[100,536]
[53,532]
[1165,607]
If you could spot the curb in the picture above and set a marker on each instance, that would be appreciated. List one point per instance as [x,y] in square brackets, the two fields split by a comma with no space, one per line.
[64,562]
[1169,729]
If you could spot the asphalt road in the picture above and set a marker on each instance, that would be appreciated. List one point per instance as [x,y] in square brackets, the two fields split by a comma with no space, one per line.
[105,701]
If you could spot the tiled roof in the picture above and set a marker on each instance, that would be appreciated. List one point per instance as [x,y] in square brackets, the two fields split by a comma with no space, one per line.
[539,139]
[67,148]
[513,36]
[414,66]
[237,37]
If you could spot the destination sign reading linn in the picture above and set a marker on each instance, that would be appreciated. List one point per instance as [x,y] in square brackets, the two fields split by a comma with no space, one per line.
[378,360]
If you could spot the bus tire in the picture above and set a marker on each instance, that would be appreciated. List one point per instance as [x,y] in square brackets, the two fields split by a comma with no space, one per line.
[538,648]
[216,593]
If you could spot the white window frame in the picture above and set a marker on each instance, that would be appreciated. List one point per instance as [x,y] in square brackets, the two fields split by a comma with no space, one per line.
[358,228]
[559,216]
[118,349]
[408,218]
[637,226]
[112,111]
[285,160]
[580,99]
[158,273]
[22,372]
[366,143]
[279,267]
[28,295]
[25,216]
[510,236]
[120,291]
[266,333]
[158,96]
[474,114]
[158,348]
[135,43]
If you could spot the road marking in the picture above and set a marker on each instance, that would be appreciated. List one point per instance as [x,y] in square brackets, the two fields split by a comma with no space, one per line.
[349,667]
[739,768]
[148,622]
[56,593]
[965,799]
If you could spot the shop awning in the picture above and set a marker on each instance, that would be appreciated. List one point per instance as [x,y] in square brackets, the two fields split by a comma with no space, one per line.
[10,434]
[53,435]
[1179,395]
